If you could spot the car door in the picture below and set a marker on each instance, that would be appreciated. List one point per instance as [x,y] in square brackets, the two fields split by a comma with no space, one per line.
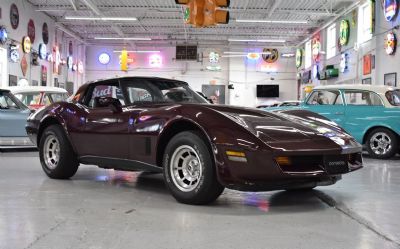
[363,108]
[328,103]
[142,97]
[12,117]
[106,132]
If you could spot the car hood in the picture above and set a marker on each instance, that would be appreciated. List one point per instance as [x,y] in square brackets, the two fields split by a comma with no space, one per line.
[279,127]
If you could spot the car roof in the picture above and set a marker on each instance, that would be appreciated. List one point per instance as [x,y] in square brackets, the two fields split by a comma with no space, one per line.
[22,89]
[374,88]
[134,77]
[4,90]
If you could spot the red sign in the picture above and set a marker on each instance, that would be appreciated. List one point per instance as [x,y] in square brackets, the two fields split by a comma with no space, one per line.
[24,65]
[31,30]
[367,65]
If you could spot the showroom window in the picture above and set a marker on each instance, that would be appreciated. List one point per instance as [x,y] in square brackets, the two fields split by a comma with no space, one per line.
[331,42]
[365,23]
[308,56]
[362,98]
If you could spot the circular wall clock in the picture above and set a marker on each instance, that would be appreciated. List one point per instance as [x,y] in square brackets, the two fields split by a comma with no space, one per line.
[45,33]
[104,58]
[14,16]
[31,30]
[26,44]
[42,51]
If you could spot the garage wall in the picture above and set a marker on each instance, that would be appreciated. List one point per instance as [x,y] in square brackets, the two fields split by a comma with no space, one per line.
[27,12]
[242,73]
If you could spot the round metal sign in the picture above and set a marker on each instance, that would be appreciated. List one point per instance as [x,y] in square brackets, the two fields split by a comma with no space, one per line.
[26,44]
[42,51]
[14,16]
[270,55]
[391,43]
[31,30]
[299,57]
[390,9]
[3,35]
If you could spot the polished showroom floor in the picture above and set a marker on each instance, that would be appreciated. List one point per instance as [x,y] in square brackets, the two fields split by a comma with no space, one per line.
[109,209]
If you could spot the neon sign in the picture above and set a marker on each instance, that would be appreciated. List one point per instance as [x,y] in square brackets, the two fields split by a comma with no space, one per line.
[42,51]
[390,9]
[391,43]
[344,32]
[344,62]
[155,60]
[316,48]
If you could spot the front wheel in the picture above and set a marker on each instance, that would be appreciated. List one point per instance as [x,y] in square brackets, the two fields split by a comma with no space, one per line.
[56,154]
[382,143]
[189,170]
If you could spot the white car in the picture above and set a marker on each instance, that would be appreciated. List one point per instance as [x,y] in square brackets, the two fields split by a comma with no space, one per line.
[37,96]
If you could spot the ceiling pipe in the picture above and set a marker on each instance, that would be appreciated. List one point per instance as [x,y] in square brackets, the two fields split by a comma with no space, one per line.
[342,13]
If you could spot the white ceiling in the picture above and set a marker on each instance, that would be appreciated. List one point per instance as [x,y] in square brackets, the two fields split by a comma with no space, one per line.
[162,20]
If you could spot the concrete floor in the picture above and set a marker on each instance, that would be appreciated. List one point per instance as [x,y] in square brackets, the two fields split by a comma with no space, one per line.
[108,209]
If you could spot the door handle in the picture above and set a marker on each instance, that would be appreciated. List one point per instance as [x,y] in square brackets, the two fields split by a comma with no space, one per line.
[339,113]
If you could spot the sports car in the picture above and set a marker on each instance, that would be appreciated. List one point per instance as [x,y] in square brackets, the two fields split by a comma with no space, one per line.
[162,125]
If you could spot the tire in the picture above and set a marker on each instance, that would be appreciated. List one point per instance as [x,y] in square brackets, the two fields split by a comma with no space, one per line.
[382,143]
[200,184]
[56,154]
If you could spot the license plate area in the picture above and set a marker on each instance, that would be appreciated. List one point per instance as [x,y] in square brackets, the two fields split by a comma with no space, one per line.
[336,164]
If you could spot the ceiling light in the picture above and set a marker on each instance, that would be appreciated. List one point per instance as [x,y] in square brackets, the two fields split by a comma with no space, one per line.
[261,40]
[246,53]
[99,18]
[124,38]
[288,55]
[272,21]
[139,51]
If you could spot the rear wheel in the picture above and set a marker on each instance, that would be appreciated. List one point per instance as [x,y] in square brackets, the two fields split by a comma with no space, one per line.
[56,154]
[189,170]
[382,143]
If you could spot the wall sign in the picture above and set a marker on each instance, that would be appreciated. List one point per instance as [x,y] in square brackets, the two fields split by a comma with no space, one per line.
[315,71]
[70,62]
[34,59]
[45,33]
[390,9]
[14,16]
[14,54]
[104,58]
[31,30]
[70,48]
[44,75]
[155,60]
[367,66]
[344,32]
[42,51]
[3,35]
[391,43]
[26,44]
[344,62]
[316,48]
[253,56]
[24,65]
[270,55]
[213,57]
[80,67]
[74,67]
[56,59]
[299,57]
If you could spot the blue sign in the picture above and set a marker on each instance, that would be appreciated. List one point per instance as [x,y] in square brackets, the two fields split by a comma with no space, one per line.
[390,9]
[3,35]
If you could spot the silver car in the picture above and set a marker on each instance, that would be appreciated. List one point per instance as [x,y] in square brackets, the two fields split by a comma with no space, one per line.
[13,116]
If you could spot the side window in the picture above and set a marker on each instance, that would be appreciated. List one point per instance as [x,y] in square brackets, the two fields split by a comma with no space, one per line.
[141,91]
[362,98]
[136,94]
[46,100]
[324,97]
[109,90]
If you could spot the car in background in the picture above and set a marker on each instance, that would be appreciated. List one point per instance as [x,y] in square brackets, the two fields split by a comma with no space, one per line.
[276,104]
[13,116]
[161,125]
[38,96]
[371,114]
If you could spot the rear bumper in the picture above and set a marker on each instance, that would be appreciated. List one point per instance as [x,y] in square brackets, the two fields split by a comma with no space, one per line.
[16,142]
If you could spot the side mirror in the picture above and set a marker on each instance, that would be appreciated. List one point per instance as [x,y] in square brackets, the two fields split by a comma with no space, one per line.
[113,103]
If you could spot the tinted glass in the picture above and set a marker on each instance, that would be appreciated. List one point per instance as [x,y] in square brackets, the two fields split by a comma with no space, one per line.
[362,98]
[160,91]
[324,97]
[7,101]
[112,90]
[393,97]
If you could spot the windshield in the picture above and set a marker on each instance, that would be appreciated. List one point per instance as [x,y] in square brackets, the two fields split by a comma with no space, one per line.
[160,91]
[393,97]
[29,98]
[8,101]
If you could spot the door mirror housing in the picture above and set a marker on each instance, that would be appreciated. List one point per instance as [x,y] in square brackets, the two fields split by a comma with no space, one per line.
[113,103]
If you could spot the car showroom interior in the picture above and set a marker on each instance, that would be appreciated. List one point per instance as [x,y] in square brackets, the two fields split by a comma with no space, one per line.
[199,124]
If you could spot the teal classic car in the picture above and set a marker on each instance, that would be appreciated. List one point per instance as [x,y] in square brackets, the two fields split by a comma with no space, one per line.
[13,116]
[371,114]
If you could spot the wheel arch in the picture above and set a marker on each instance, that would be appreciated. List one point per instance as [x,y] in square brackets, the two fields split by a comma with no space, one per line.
[46,122]
[370,129]
[175,127]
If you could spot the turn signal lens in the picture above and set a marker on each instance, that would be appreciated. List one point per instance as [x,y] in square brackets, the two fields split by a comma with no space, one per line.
[235,153]
[283,161]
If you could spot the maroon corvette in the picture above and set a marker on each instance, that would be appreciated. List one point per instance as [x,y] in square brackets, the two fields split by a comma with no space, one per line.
[161,125]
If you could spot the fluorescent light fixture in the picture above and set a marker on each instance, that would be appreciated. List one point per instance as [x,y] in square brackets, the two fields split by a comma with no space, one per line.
[246,53]
[99,18]
[261,40]
[124,38]
[273,21]
[139,51]
[288,55]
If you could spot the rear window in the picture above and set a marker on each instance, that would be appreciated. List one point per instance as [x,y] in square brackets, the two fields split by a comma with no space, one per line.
[393,97]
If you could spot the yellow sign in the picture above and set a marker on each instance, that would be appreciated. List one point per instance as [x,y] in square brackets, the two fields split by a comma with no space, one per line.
[26,44]
[124,60]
